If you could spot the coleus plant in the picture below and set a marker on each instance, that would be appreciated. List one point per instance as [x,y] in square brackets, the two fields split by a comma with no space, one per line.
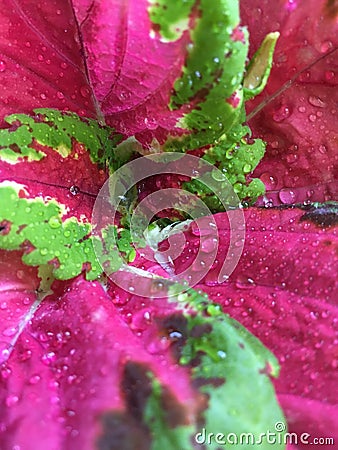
[88,86]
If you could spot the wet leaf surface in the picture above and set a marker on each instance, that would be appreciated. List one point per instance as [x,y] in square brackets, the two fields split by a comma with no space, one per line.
[297,112]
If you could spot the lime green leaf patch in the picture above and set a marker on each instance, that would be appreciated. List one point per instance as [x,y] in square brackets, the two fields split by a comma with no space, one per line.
[230,366]
[171,17]
[235,155]
[37,227]
[209,91]
[55,129]
[259,68]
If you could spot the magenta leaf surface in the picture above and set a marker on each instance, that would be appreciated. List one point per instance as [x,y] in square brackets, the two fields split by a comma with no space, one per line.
[284,290]
[42,64]
[85,364]
[297,112]
[96,383]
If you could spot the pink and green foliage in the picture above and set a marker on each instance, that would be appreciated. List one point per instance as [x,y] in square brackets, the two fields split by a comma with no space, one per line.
[88,365]
[299,124]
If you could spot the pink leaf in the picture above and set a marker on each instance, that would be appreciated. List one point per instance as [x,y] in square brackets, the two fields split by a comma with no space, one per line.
[73,367]
[297,112]
[132,73]
[41,62]
[284,290]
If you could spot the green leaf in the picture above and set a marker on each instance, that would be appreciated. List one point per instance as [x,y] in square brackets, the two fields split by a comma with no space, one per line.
[236,156]
[230,370]
[165,436]
[210,88]
[37,227]
[259,68]
[172,17]
[231,367]
[56,129]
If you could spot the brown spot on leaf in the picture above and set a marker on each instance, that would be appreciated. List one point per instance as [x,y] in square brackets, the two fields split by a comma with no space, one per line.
[121,431]
[200,330]
[127,429]
[136,388]
[325,215]
[331,8]
[174,327]
[215,382]
[175,413]
[5,227]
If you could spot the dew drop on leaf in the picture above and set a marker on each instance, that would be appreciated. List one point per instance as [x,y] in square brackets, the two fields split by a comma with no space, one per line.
[326,46]
[269,180]
[11,400]
[74,190]
[48,358]
[244,282]
[329,75]
[316,101]
[84,91]
[34,379]
[5,373]
[287,196]
[282,113]
[8,332]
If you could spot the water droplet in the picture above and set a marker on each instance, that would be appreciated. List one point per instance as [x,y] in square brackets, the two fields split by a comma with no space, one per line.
[312,118]
[291,158]
[11,400]
[287,196]
[221,354]
[197,230]
[282,113]
[326,46]
[34,379]
[24,354]
[48,358]
[269,180]
[74,190]
[20,274]
[150,123]
[329,75]
[244,282]
[316,101]
[85,91]
[9,332]
[141,320]
[158,345]
[5,372]
[291,5]
[322,149]
[54,222]
[60,95]
[43,96]
[301,109]
[2,66]
[44,251]
[209,245]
